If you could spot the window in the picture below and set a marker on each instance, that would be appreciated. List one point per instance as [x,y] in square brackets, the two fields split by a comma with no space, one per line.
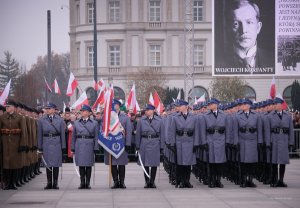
[78,14]
[154,55]
[198,55]
[154,11]
[114,11]
[287,95]
[198,10]
[119,94]
[90,13]
[90,55]
[114,55]
[91,95]
[249,93]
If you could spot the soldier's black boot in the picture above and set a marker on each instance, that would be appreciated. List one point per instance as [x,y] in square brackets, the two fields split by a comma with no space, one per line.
[18,177]
[22,182]
[39,165]
[82,178]
[218,182]
[55,178]
[49,179]
[36,172]
[13,179]
[147,180]
[31,168]
[250,182]
[7,176]
[274,178]
[88,173]
[280,183]
[114,173]
[187,177]
[243,181]
[25,178]
[122,176]
[152,177]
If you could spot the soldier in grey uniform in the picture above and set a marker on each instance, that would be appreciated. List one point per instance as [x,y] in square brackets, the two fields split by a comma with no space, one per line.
[118,165]
[214,136]
[149,143]
[51,143]
[84,145]
[247,136]
[184,129]
[280,140]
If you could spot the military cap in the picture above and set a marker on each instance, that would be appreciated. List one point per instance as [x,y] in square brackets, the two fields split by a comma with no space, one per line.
[86,108]
[51,105]
[149,107]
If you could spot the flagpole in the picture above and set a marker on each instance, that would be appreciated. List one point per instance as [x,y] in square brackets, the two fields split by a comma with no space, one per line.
[109,173]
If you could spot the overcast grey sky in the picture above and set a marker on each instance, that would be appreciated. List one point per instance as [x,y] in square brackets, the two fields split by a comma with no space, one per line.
[23,28]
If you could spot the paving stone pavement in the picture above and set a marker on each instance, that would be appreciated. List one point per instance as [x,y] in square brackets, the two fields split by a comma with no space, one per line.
[33,195]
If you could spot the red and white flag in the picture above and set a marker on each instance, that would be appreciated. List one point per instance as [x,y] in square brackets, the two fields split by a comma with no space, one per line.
[56,87]
[101,82]
[96,86]
[71,85]
[131,103]
[47,85]
[100,98]
[151,100]
[157,103]
[284,104]
[107,112]
[5,93]
[81,100]
[273,89]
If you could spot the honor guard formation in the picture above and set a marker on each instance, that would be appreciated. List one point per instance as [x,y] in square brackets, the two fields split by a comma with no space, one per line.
[238,142]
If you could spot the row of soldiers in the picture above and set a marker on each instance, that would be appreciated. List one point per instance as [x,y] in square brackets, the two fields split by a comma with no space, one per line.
[238,142]
[241,142]
[19,161]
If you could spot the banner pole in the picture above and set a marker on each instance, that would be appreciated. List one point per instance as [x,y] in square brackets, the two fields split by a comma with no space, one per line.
[109,173]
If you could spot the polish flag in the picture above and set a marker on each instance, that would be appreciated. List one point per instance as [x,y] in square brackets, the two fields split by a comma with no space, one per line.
[157,103]
[56,87]
[81,100]
[96,86]
[5,93]
[284,104]
[101,82]
[100,98]
[131,101]
[151,100]
[107,112]
[71,85]
[47,85]
[273,89]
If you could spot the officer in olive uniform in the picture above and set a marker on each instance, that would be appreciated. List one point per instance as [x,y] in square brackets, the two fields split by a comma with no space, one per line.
[149,143]
[84,145]
[51,142]
[13,136]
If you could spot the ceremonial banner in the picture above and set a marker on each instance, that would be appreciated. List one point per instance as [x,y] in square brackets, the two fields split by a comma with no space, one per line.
[113,143]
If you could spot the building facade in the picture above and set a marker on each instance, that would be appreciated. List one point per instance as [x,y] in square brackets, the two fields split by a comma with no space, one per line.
[147,34]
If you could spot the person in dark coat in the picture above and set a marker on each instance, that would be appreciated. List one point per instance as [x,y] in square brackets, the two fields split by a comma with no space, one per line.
[149,143]
[84,145]
[118,165]
[183,128]
[51,143]
[215,132]
[247,137]
[14,141]
[280,141]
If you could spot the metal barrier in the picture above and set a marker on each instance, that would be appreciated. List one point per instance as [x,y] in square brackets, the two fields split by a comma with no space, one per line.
[295,153]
